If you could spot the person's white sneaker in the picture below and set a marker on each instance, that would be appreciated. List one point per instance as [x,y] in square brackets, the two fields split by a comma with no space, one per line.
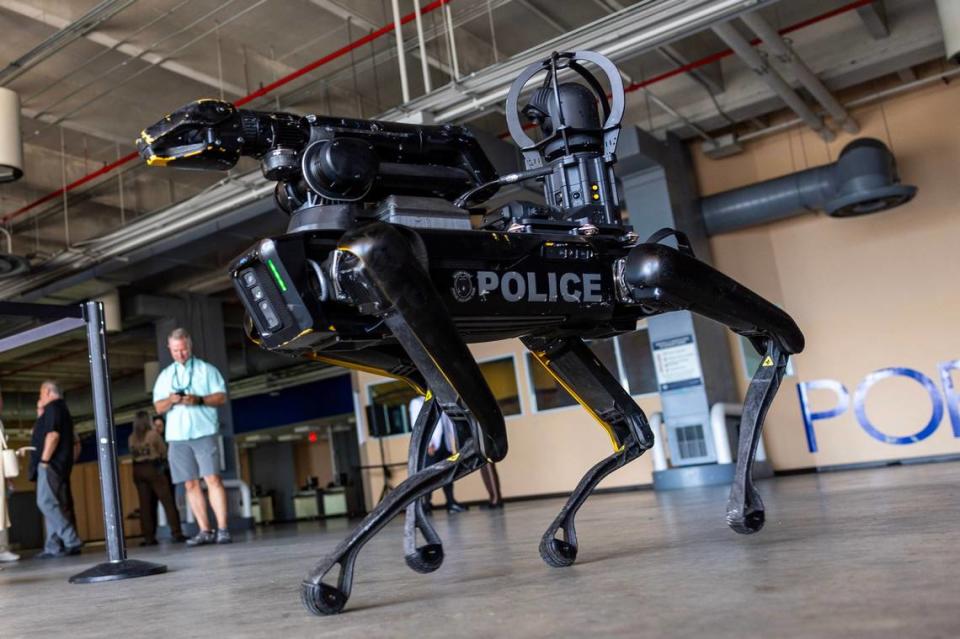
[7,556]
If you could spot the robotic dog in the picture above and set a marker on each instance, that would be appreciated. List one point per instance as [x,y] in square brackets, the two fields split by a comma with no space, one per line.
[385,269]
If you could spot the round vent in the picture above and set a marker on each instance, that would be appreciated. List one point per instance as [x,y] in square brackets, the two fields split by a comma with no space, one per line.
[880,199]
[12,265]
[866,181]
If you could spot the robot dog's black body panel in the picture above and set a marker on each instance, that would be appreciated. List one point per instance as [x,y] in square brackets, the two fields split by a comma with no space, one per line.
[493,285]
[498,285]
[383,270]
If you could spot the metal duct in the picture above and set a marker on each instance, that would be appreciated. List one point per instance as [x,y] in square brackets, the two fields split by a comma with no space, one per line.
[949,11]
[863,180]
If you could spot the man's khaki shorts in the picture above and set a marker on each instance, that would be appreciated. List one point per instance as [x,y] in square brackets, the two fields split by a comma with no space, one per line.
[194,458]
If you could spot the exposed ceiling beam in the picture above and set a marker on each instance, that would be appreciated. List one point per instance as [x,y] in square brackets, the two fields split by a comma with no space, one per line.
[353,17]
[41,15]
[543,15]
[65,34]
[874,17]
[77,127]
[709,76]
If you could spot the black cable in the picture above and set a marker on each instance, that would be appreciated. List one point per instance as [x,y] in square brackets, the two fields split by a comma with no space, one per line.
[509,178]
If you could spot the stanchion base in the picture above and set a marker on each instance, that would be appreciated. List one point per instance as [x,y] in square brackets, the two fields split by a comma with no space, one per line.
[114,570]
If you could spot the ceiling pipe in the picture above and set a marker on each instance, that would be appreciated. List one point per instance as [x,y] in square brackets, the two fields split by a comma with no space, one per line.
[863,180]
[401,58]
[801,71]
[616,36]
[69,265]
[772,79]
[88,22]
[463,18]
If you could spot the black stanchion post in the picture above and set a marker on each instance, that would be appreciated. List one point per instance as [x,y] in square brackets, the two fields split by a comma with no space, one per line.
[117,566]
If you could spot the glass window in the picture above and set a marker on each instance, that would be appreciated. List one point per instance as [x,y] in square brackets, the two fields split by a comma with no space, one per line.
[638,362]
[546,391]
[501,377]
[388,412]
[606,352]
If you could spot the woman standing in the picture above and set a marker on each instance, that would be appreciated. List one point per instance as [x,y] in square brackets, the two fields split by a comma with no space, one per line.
[149,459]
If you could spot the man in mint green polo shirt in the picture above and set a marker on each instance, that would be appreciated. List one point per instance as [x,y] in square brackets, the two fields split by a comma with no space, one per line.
[188,392]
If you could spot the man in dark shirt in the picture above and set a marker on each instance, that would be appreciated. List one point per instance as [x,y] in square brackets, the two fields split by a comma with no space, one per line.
[50,467]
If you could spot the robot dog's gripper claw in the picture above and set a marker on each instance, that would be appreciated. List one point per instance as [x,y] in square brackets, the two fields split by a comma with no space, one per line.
[426,559]
[321,599]
[557,553]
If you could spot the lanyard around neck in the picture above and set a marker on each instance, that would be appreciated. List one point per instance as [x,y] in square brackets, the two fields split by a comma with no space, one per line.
[177,388]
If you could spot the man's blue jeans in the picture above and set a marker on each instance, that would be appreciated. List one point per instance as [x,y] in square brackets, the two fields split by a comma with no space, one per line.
[51,499]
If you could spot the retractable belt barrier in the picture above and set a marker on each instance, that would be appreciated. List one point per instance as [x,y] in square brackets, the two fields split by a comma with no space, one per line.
[58,320]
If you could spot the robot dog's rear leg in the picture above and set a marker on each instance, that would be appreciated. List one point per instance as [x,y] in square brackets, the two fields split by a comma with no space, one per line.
[383,273]
[582,374]
[745,512]
[428,557]
[664,279]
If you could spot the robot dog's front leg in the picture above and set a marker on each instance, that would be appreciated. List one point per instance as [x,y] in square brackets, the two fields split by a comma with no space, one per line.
[664,279]
[382,275]
[428,557]
[580,372]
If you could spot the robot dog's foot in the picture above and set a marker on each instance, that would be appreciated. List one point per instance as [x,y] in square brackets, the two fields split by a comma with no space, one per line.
[324,599]
[556,552]
[428,557]
[321,599]
[746,518]
[561,553]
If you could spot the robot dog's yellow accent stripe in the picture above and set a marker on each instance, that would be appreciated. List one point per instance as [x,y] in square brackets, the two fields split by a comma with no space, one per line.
[542,358]
[160,160]
[326,359]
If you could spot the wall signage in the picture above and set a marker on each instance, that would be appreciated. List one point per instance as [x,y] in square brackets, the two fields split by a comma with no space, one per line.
[949,399]
[677,363]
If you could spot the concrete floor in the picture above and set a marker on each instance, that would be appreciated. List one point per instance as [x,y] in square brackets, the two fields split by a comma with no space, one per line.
[869,553]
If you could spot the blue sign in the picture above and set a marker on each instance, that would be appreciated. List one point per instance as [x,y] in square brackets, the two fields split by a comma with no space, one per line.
[859,403]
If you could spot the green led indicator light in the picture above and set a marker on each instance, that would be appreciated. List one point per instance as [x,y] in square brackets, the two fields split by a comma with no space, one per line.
[276,276]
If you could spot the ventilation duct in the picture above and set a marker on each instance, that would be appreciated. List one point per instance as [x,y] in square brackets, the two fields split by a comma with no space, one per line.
[863,180]
[10,264]
[11,147]
[949,11]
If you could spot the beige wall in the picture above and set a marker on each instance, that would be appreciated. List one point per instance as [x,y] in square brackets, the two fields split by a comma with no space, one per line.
[312,459]
[549,451]
[868,292]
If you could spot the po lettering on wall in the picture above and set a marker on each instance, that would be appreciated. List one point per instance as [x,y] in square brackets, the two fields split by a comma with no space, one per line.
[943,398]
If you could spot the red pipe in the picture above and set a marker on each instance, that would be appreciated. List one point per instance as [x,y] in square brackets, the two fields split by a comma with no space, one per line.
[696,64]
[262,91]
[436,4]
[720,55]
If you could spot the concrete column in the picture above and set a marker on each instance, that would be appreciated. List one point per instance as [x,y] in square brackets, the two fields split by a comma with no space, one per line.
[659,191]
